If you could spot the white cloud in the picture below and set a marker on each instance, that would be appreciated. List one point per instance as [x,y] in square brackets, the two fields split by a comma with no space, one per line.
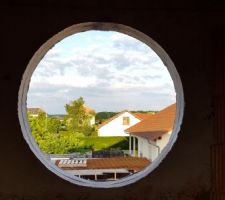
[111,71]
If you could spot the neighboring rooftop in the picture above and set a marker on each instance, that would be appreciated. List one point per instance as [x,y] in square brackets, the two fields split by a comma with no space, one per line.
[88,109]
[155,125]
[130,163]
[142,116]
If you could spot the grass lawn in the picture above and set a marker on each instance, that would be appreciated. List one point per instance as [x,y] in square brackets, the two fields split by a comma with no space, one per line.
[95,142]
[105,143]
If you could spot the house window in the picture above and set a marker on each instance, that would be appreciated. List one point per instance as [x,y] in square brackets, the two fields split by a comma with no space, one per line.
[126,120]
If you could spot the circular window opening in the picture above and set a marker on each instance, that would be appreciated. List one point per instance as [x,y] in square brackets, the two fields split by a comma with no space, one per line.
[100,104]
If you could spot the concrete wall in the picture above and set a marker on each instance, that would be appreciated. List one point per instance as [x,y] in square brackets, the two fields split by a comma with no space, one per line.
[116,127]
[188,31]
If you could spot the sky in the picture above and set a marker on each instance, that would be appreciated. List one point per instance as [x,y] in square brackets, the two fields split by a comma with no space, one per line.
[110,70]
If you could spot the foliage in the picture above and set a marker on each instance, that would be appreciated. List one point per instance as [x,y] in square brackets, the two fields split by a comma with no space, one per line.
[102,116]
[74,133]
[38,125]
[48,141]
[53,125]
[59,144]
[77,119]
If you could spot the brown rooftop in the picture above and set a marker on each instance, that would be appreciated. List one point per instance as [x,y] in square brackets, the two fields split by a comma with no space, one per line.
[142,116]
[130,163]
[88,109]
[155,125]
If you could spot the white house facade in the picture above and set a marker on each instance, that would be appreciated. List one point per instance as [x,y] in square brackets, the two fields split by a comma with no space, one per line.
[148,148]
[116,125]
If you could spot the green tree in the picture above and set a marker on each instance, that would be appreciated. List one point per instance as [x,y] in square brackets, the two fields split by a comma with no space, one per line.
[59,144]
[53,125]
[78,120]
[38,126]
[43,130]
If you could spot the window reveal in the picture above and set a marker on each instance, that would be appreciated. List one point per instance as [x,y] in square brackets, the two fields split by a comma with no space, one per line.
[126,121]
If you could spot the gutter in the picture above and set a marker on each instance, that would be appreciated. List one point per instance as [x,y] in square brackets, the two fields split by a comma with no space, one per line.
[151,143]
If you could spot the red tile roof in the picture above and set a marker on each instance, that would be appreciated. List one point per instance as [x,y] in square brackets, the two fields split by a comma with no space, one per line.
[142,116]
[155,125]
[88,109]
[130,163]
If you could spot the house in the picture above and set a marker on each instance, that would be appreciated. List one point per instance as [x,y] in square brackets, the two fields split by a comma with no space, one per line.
[34,112]
[116,125]
[91,112]
[152,134]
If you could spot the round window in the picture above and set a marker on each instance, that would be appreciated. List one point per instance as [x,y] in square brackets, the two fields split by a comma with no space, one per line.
[100,104]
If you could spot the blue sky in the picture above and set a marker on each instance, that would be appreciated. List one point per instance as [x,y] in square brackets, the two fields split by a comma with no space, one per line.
[110,70]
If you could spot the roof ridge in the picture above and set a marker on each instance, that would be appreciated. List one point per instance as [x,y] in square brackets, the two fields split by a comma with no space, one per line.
[114,117]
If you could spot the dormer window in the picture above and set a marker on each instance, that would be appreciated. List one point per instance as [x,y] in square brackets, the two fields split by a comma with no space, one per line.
[126,120]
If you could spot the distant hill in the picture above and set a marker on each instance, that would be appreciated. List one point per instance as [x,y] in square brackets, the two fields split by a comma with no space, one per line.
[57,115]
[102,116]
